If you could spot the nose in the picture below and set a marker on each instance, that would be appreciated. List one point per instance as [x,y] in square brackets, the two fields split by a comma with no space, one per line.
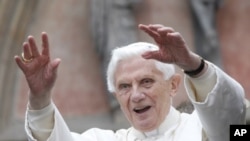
[137,96]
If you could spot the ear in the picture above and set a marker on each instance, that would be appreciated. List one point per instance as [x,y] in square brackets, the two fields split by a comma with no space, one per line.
[175,82]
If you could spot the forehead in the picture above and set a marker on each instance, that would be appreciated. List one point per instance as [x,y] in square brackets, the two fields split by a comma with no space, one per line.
[136,67]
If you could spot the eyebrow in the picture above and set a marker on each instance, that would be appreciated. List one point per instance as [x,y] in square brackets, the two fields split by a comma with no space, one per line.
[138,78]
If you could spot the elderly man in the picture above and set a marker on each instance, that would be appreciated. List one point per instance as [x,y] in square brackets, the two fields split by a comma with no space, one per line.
[142,78]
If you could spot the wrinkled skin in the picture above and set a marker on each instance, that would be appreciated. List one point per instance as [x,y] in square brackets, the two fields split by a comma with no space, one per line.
[173,48]
[143,93]
[41,72]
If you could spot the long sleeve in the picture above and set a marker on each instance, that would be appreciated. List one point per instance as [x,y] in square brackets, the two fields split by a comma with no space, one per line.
[47,125]
[221,102]
[202,85]
[41,122]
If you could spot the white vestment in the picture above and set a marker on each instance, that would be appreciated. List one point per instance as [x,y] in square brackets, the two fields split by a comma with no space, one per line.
[223,105]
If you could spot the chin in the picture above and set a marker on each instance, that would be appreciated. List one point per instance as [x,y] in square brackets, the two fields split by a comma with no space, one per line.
[145,126]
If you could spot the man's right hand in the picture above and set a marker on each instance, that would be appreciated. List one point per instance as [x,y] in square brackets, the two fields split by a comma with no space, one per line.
[39,70]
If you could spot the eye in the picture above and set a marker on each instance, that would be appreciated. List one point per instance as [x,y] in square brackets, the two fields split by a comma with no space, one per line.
[124,86]
[123,89]
[147,82]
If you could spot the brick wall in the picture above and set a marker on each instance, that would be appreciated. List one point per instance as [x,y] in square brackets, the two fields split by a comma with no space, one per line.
[80,90]
[234,27]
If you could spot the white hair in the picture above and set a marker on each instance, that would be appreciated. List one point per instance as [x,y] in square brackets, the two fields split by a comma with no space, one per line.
[132,50]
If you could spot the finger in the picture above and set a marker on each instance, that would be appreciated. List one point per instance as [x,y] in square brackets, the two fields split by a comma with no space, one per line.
[165,30]
[177,38]
[55,63]
[33,46]
[155,27]
[45,44]
[142,25]
[26,51]
[20,64]
[54,66]
[175,34]
[150,32]
[152,55]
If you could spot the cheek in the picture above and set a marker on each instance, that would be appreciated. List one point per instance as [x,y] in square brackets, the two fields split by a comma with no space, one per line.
[161,92]
[124,105]
[162,106]
[161,98]
[123,101]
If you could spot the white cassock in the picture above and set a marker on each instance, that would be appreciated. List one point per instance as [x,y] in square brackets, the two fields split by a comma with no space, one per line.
[223,105]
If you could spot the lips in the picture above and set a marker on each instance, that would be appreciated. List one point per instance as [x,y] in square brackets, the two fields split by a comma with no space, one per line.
[142,109]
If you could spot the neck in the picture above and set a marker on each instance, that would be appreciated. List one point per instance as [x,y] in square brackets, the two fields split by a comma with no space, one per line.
[170,121]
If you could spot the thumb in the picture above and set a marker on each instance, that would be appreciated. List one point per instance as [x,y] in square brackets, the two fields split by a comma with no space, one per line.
[54,64]
[152,55]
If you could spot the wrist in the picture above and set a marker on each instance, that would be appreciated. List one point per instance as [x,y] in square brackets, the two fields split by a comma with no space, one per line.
[189,63]
[39,102]
[196,71]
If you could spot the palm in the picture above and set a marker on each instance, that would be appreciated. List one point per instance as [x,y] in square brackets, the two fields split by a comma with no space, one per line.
[172,47]
[39,76]
[168,49]
[40,72]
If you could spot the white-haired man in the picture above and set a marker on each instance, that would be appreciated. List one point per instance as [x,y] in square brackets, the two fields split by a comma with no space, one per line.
[142,78]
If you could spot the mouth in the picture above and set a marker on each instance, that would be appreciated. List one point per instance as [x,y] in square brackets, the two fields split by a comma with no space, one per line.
[141,109]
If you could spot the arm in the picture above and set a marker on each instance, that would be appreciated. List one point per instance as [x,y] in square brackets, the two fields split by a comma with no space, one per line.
[43,120]
[48,124]
[223,102]
[40,72]
[172,48]
[200,91]
[219,100]
[39,123]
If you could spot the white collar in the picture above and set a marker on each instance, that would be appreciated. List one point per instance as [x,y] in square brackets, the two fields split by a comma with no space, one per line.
[170,121]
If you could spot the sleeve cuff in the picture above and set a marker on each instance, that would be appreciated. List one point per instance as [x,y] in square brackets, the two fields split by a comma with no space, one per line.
[199,88]
[36,114]
[41,122]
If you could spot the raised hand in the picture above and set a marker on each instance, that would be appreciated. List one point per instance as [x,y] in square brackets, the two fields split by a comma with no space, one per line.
[172,47]
[39,70]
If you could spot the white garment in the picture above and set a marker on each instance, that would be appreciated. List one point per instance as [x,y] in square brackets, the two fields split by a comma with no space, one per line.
[222,104]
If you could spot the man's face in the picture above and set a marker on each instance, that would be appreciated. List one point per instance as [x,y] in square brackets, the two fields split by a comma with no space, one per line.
[143,94]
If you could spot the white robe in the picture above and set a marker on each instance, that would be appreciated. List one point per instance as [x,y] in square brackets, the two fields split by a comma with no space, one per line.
[223,105]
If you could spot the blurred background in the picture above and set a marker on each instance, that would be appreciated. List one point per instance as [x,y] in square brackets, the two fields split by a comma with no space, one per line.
[83,32]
